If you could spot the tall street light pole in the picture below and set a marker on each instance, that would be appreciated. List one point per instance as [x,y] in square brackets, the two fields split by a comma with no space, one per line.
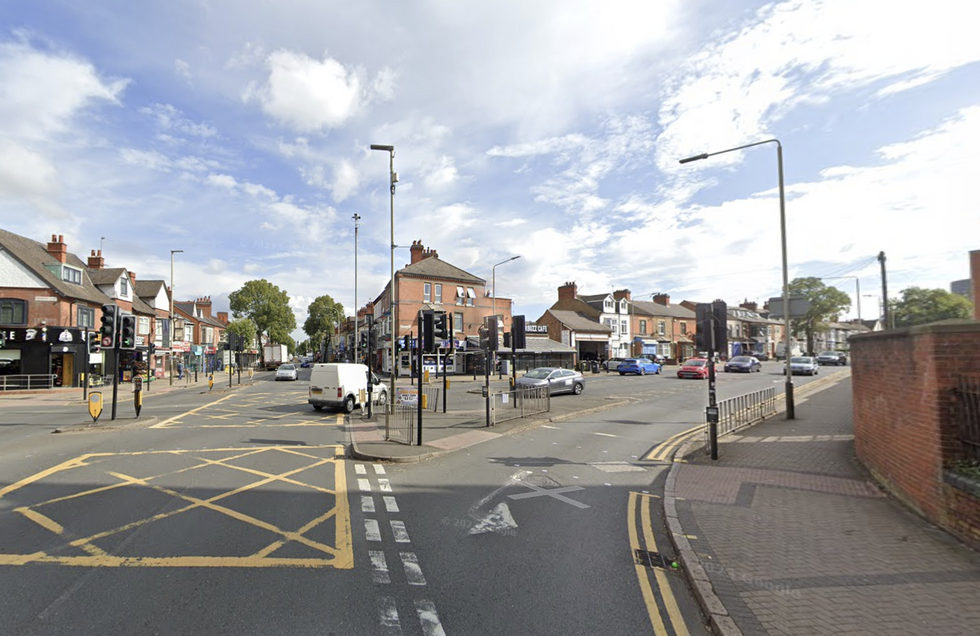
[172,330]
[392,180]
[857,289]
[493,287]
[790,404]
[357,357]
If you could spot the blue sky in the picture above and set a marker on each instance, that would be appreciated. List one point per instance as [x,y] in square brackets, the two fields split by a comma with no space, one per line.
[239,132]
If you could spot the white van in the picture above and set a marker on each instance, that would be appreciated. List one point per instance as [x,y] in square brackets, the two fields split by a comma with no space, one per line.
[338,385]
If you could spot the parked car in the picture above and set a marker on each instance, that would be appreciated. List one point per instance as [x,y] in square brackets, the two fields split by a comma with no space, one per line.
[803,365]
[286,372]
[305,363]
[760,356]
[612,364]
[838,358]
[640,366]
[696,368]
[558,380]
[743,364]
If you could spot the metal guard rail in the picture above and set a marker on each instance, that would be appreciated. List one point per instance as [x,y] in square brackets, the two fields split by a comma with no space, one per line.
[744,410]
[27,382]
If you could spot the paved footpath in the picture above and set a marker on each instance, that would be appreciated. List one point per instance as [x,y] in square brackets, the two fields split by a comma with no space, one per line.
[785,534]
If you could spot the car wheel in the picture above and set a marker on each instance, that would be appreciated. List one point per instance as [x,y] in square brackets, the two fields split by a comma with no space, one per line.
[658,371]
[622,373]
[577,389]
[349,404]
[643,371]
[317,407]
[382,398]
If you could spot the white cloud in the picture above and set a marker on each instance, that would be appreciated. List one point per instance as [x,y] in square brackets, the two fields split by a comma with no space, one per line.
[183,69]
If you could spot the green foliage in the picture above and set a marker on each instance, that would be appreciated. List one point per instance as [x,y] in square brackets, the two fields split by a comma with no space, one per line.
[826,302]
[919,306]
[267,307]
[968,468]
[322,315]
[244,328]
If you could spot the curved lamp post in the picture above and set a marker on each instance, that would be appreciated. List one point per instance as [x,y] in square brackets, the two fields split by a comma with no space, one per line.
[790,404]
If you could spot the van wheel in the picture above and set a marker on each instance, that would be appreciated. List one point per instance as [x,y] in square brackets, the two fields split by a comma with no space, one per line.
[349,404]
[382,399]
[317,407]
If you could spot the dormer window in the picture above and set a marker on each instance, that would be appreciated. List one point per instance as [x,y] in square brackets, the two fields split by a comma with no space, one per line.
[71,275]
[607,305]
[622,307]
[124,287]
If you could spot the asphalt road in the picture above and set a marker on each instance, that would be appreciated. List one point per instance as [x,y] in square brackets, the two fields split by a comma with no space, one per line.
[235,512]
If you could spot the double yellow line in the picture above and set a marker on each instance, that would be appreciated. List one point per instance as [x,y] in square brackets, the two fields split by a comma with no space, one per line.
[657,596]
[665,451]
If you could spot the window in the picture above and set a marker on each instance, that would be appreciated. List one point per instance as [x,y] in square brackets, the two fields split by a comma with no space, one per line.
[188,332]
[643,327]
[684,328]
[86,317]
[470,296]
[142,325]
[611,323]
[438,298]
[661,327]
[624,327]
[427,292]
[124,287]
[458,322]
[460,296]
[13,312]
[71,275]
[607,305]
[159,328]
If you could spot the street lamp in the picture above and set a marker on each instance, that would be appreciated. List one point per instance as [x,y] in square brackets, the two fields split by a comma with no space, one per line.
[357,357]
[392,180]
[493,271]
[857,288]
[790,404]
[172,330]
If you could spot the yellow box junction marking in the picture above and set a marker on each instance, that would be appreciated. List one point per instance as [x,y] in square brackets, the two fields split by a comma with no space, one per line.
[212,412]
[659,587]
[339,556]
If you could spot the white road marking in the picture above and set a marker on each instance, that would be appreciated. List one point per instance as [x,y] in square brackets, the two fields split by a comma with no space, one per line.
[364,485]
[429,618]
[498,519]
[367,503]
[379,469]
[380,568]
[604,434]
[390,504]
[400,531]
[371,530]
[549,426]
[413,572]
[390,626]
[550,492]
[617,467]
[360,469]
[384,485]
[513,479]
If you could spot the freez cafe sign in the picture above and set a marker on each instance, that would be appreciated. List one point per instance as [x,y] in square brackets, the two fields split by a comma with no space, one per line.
[53,335]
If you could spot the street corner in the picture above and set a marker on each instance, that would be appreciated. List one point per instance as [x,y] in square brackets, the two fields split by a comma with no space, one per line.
[242,410]
[177,509]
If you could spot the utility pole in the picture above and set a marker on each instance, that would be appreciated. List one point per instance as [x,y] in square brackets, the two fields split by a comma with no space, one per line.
[884,291]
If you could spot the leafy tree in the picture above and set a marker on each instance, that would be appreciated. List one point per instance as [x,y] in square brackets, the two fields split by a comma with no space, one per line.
[919,306]
[267,307]
[244,328]
[826,302]
[322,315]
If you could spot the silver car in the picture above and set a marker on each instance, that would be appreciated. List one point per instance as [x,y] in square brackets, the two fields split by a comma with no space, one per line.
[558,380]
[803,365]
[286,372]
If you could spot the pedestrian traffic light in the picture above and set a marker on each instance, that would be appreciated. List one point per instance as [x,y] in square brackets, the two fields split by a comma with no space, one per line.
[518,338]
[440,326]
[127,338]
[110,315]
[428,332]
[94,343]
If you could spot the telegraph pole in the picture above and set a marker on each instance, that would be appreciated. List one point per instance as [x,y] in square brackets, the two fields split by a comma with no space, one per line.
[884,291]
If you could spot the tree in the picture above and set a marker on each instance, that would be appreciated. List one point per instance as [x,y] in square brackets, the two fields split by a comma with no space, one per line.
[243,328]
[825,302]
[267,307]
[322,315]
[919,306]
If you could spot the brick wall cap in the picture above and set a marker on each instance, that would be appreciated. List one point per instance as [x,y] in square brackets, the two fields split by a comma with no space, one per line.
[943,326]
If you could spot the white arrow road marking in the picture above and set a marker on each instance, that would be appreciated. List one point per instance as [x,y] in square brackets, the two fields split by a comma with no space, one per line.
[551,492]
[429,618]
[513,479]
[498,519]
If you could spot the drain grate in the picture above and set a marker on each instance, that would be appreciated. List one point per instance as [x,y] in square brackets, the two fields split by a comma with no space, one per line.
[650,559]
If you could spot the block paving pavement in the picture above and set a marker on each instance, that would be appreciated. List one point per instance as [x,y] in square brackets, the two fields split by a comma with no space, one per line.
[795,538]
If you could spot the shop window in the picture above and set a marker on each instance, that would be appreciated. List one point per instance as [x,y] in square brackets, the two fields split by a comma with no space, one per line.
[13,311]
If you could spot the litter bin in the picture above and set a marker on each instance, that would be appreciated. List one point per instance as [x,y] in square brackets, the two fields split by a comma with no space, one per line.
[595,366]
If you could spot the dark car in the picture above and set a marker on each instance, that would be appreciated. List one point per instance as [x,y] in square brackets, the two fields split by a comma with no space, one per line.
[838,358]
[743,364]
[760,356]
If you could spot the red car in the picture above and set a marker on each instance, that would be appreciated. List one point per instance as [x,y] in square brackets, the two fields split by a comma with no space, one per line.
[696,368]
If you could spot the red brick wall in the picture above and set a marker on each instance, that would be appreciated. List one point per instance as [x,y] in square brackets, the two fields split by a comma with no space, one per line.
[904,428]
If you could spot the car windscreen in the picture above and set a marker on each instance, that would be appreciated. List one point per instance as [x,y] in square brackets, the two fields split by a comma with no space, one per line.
[538,374]
[695,363]
[800,360]
[741,359]
[287,367]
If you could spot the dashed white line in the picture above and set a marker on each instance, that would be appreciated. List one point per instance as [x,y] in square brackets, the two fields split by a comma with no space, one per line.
[604,434]
[429,618]
[371,530]
[364,485]
[379,469]
[390,625]
[360,469]
[390,504]
[367,503]
[400,531]
[379,567]
[413,572]
[384,485]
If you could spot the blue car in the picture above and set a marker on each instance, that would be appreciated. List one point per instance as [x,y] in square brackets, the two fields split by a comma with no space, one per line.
[640,366]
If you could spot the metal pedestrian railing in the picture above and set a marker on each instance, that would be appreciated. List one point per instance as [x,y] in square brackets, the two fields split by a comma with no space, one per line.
[968,414]
[518,403]
[401,424]
[27,382]
[743,410]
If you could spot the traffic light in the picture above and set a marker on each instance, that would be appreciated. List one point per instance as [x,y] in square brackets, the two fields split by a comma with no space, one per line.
[127,338]
[518,338]
[492,333]
[364,339]
[110,315]
[428,332]
[151,349]
[712,326]
[440,326]
[407,342]
[94,343]
[371,343]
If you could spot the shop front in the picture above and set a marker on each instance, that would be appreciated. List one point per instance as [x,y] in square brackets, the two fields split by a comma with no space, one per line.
[60,353]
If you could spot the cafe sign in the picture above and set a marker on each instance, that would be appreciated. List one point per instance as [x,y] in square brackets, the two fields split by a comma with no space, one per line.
[52,335]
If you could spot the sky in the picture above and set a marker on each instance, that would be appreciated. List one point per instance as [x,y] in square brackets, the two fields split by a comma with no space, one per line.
[240,132]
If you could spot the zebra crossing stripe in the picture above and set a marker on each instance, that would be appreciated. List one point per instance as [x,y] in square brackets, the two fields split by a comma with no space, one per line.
[360,469]
[429,618]
[390,504]
[400,531]
[379,567]
[384,485]
[371,530]
[364,485]
[413,571]
[367,503]
[388,610]
[379,469]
